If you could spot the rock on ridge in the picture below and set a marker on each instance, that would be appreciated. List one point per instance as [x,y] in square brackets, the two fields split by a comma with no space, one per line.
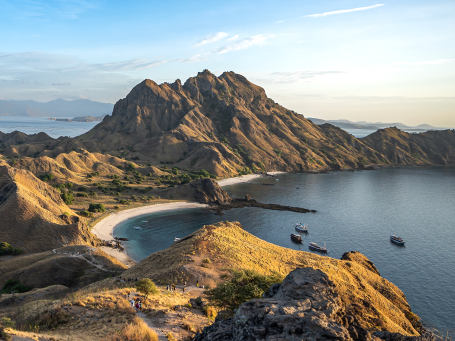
[304,307]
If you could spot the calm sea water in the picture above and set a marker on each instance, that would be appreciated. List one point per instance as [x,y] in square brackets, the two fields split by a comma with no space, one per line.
[356,211]
[33,125]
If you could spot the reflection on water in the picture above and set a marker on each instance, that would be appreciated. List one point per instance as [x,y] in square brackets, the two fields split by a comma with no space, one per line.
[356,211]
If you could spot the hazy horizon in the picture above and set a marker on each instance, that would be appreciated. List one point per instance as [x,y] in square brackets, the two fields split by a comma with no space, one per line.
[354,60]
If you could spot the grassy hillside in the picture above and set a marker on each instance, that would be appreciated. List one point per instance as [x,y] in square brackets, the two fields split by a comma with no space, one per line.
[208,254]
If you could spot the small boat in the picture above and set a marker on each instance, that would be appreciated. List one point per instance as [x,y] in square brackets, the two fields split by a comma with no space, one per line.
[301,228]
[316,247]
[177,239]
[145,221]
[296,238]
[277,179]
[396,240]
[137,228]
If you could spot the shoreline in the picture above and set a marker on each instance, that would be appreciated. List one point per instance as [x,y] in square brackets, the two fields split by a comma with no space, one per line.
[244,178]
[104,228]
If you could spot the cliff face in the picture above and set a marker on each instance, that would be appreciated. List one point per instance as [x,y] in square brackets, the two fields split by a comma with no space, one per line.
[34,216]
[319,294]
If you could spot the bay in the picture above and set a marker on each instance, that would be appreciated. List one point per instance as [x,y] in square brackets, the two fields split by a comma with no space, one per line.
[34,125]
[357,211]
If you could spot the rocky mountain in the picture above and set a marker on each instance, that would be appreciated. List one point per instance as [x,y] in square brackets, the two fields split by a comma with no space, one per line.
[401,148]
[58,108]
[224,124]
[34,217]
[323,297]
[221,124]
[227,125]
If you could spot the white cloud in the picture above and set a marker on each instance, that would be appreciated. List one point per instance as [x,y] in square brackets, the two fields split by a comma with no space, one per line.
[233,38]
[243,43]
[127,65]
[211,39]
[195,58]
[61,84]
[317,15]
[428,62]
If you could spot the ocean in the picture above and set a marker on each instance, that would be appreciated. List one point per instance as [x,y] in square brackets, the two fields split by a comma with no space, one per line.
[33,125]
[356,211]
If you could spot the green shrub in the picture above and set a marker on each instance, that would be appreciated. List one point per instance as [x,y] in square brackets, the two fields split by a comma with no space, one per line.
[7,249]
[82,194]
[86,213]
[242,287]
[206,261]
[68,198]
[96,208]
[147,287]
[13,285]
[82,188]
[47,177]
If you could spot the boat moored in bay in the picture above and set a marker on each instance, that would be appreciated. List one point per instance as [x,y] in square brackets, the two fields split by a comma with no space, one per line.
[316,247]
[296,238]
[396,240]
[301,228]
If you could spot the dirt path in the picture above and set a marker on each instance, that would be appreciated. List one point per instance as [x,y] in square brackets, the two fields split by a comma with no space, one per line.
[148,322]
[81,256]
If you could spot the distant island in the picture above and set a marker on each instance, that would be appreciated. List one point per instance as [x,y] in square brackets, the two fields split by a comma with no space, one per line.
[346,124]
[80,119]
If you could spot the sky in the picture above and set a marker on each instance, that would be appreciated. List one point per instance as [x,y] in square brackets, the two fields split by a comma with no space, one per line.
[357,60]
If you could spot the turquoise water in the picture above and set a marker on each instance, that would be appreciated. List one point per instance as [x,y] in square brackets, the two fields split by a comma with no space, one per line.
[356,211]
[33,125]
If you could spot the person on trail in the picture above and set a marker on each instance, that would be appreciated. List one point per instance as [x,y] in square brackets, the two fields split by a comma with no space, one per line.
[137,306]
[183,289]
[197,284]
[132,303]
[140,305]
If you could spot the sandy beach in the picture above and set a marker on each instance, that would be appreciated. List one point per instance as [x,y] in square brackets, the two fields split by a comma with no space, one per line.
[244,178]
[104,228]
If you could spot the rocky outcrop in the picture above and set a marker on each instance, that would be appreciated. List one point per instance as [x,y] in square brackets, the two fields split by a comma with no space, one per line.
[204,191]
[304,307]
[356,256]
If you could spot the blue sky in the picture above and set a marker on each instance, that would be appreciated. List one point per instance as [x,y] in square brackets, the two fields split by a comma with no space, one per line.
[358,60]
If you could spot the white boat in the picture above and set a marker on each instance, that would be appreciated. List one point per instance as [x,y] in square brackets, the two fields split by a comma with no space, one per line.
[277,179]
[316,247]
[177,239]
[137,228]
[301,228]
[145,221]
[397,240]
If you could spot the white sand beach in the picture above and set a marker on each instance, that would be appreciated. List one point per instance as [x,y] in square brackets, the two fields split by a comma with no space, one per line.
[240,179]
[244,178]
[104,228]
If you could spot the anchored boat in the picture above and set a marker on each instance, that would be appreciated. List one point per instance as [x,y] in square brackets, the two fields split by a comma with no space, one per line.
[316,247]
[397,240]
[137,228]
[301,228]
[296,238]
[177,239]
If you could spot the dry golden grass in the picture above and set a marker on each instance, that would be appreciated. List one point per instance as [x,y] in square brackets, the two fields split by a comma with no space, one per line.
[135,331]
[364,293]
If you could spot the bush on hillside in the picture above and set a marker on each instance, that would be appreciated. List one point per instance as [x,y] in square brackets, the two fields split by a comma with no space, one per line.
[68,198]
[242,287]
[47,177]
[13,285]
[147,287]
[7,249]
[96,208]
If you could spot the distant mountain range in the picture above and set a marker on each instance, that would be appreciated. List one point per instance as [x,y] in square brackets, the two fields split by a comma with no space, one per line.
[55,108]
[346,124]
